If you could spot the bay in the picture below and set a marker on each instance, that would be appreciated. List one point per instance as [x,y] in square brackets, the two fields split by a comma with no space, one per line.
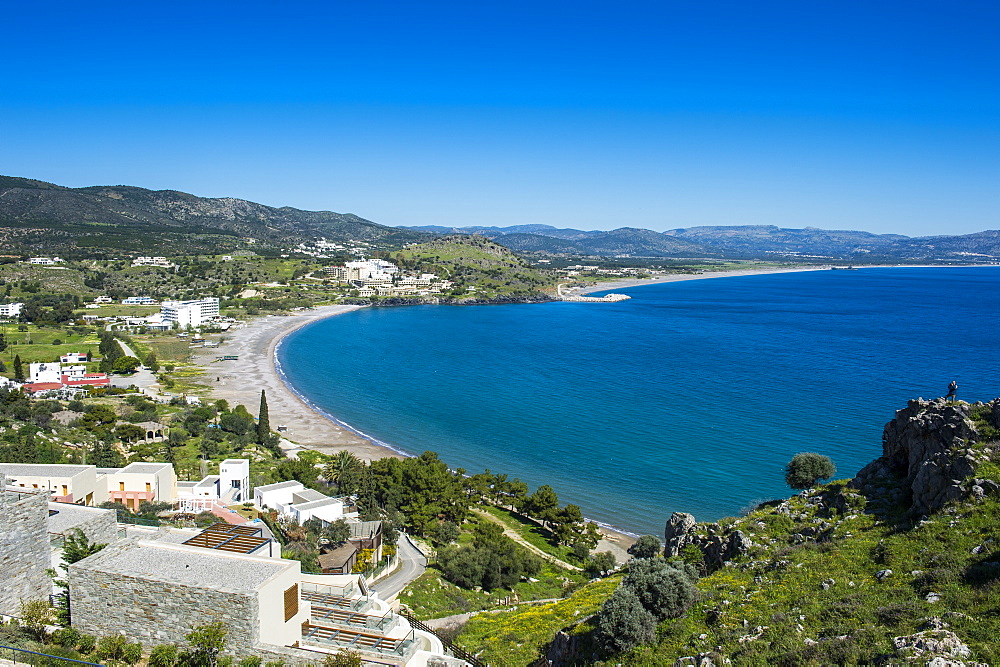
[691,396]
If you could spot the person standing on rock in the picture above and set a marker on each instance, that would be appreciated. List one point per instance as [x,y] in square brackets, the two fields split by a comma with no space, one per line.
[952,388]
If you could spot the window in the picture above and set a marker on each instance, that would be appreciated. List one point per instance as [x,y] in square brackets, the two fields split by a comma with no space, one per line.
[148,487]
[291,602]
[121,486]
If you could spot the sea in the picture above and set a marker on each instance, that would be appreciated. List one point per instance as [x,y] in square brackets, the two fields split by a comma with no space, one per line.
[689,397]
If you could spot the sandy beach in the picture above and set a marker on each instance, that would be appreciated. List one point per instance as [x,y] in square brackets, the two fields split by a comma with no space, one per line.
[678,277]
[241,382]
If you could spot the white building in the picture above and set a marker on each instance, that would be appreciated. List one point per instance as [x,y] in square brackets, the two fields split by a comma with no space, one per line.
[139,301]
[44,372]
[73,358]
[66,483]
[229,487]
[294,501]
[90,485]
[192,313]
[152,261]
[139,482]
[11,309]
[104,299]
[45,261]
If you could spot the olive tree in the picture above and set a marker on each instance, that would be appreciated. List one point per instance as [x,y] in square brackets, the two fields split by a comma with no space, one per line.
[807,468]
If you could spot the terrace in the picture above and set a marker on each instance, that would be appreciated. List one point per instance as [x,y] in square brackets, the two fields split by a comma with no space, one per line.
[401,648]
[226,537]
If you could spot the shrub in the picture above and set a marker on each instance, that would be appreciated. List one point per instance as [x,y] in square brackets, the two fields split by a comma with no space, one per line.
[86,643]
[250,661]
[807,468]
[623,623]
[648,546]
[66,637]
[164,655]
[665,589]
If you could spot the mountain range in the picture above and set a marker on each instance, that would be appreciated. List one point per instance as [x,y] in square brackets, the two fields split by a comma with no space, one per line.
[38,217]
[739,242]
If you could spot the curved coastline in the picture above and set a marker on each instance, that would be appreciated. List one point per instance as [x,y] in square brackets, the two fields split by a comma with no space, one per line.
[312,427]
[283,377]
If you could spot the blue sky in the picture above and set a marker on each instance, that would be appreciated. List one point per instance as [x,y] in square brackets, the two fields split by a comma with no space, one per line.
[847,115]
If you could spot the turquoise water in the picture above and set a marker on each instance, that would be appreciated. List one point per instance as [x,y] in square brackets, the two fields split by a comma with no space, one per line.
[689,397]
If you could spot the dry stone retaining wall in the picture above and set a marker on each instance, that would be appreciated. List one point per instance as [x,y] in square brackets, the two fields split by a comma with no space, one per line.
[24,547]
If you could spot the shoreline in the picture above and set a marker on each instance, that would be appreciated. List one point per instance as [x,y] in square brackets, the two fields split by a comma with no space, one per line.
[679,277]
[310,427]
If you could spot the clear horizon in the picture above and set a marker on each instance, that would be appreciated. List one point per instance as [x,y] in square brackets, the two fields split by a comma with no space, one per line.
[653,115]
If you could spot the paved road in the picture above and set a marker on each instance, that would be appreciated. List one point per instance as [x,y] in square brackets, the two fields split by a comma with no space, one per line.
[143,378]
[412,565]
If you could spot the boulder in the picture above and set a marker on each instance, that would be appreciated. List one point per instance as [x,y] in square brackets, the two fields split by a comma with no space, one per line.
[678,533]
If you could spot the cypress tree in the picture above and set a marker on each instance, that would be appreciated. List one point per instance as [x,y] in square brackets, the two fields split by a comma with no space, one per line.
[263,422]
[18,368]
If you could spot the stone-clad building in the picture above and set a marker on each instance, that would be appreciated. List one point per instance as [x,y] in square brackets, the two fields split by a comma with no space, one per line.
[24,545]
[97,525]
[155,592]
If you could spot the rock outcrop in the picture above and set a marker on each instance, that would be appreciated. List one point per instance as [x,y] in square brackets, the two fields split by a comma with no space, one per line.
[927,455]
[934,646]
[716,544]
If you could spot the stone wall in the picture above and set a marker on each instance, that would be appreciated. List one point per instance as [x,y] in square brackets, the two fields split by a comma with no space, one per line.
[24,547]
[155,612]
[102,528]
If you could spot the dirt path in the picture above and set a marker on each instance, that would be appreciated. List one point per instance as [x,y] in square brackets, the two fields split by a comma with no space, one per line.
[509,532]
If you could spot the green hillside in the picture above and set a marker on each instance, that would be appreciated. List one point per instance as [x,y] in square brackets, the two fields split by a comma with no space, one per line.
[901,563]
[102,221]
[479,268]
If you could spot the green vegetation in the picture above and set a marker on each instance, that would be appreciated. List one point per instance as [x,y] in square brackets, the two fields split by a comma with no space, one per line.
[807,468]
[519,636]
[478,267]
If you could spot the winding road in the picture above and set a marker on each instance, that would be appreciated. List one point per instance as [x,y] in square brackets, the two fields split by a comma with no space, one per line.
[412,565]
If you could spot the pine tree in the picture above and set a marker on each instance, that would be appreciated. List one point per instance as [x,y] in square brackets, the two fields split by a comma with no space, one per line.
[263,421]
[18,368]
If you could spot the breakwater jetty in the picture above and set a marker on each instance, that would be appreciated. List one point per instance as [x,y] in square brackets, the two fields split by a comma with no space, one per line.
[607,298]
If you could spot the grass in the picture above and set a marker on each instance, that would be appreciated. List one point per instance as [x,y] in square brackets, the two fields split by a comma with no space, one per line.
[431,596]
[532,533]
[520,636]
[762,608]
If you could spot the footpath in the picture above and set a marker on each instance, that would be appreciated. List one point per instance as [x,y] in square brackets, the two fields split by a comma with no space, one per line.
[509,532]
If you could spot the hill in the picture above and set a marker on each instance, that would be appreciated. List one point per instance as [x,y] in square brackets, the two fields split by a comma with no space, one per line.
[899,564]
[479,268]
[38,217]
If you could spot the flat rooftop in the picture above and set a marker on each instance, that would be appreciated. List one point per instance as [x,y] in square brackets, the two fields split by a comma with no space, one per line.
[308,496]
[69,516]
[279,485]
[185,565]
[42,469]
[145,468]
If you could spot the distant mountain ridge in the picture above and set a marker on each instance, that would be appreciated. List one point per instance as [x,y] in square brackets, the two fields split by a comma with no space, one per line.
[36,216]
[740,241]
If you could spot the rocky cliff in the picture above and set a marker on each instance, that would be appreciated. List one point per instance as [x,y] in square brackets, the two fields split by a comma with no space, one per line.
[930,453]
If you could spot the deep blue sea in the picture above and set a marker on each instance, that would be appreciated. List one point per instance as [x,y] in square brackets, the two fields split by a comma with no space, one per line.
[689,397]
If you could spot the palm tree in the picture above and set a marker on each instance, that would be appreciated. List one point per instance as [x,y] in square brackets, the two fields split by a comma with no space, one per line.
[342,468]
